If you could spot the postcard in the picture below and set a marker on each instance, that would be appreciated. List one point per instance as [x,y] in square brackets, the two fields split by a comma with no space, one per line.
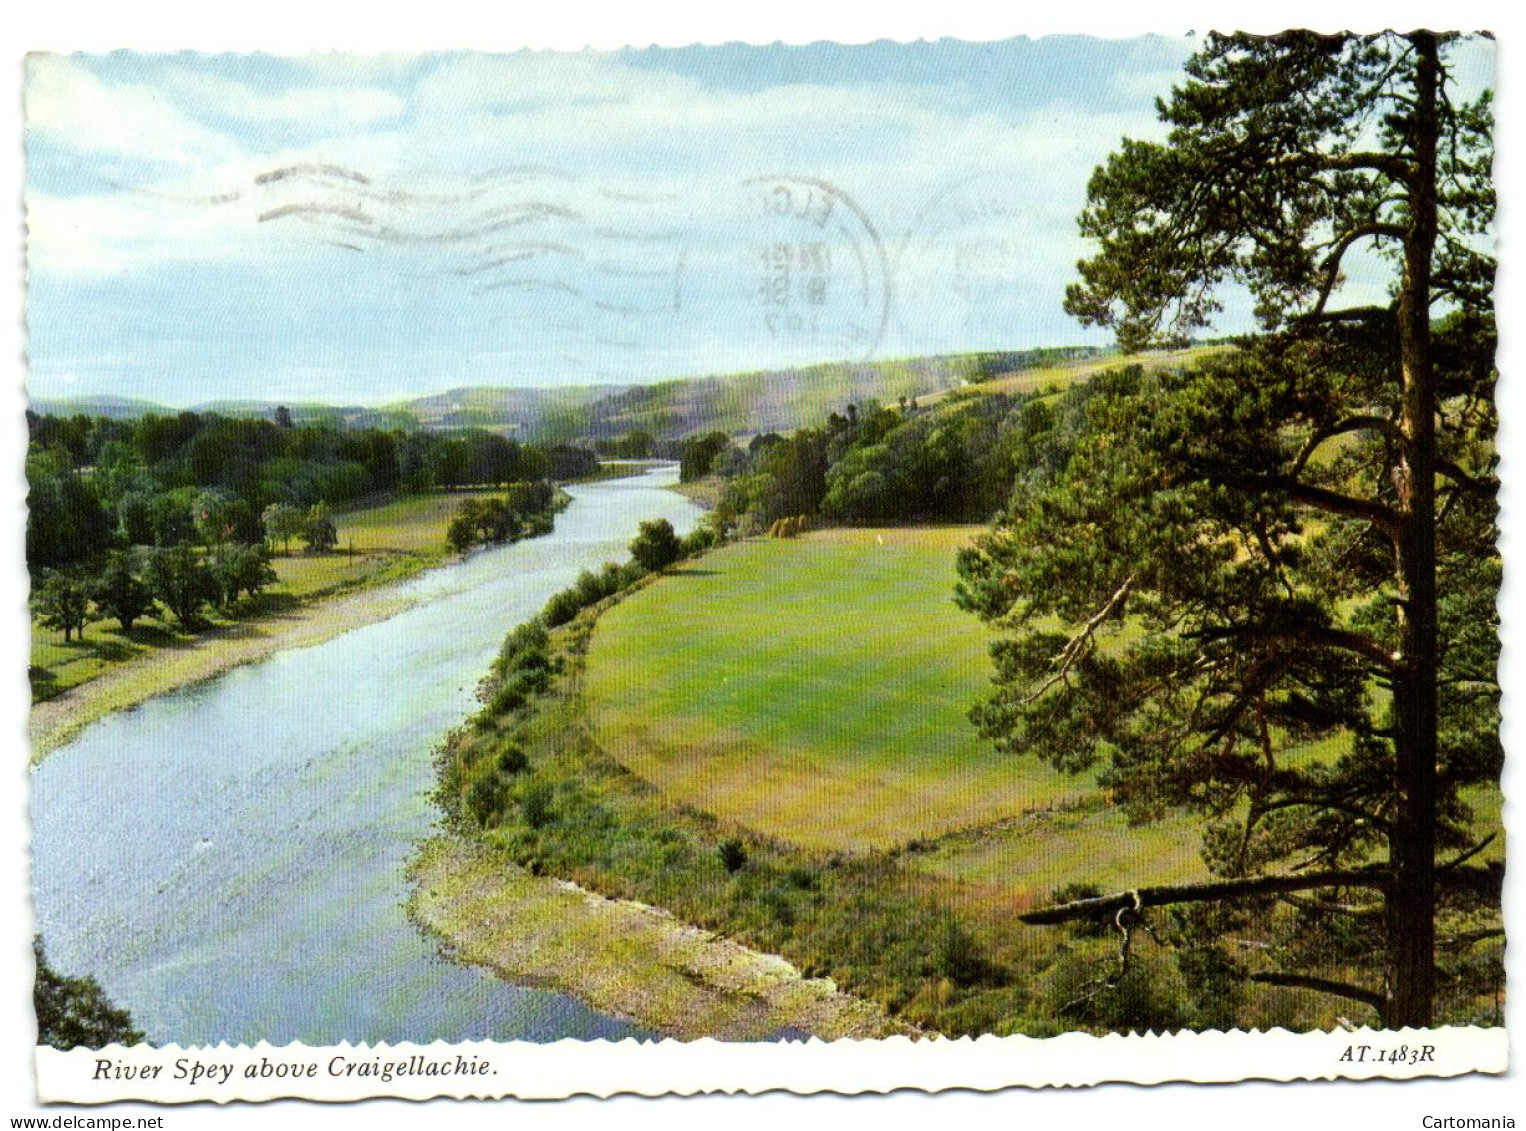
[738,567]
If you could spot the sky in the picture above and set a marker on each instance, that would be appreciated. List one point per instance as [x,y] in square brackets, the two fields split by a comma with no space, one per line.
[360,229]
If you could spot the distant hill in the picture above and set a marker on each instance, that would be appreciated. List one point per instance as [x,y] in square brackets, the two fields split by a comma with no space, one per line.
[118,408]
[740,404]
[785,399]
[515,411]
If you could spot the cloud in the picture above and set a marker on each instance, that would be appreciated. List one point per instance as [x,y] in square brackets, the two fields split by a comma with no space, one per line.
[331,107]
[68,105]
[425,194]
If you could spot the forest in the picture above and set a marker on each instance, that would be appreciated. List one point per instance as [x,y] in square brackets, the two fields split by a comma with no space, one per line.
[168,515]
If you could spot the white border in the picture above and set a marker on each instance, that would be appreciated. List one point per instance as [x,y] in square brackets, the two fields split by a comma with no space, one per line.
[295,25]
[557,1070]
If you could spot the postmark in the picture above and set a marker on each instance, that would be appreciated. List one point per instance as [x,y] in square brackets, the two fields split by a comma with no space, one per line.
[815,275]
[962,261]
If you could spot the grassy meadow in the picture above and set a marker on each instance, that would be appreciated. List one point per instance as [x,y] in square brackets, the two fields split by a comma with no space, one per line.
[813,689]
[816,690]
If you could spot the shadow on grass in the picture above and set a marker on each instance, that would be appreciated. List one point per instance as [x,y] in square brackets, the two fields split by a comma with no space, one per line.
[44,683]
[160,636]
[265,605]
[109,645]
[690,571]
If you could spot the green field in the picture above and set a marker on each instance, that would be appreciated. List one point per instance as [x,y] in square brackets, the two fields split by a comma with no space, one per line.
[804,702]
[817,690]
[812,689]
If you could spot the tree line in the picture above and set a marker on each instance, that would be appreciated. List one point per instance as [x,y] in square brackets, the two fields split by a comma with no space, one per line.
[96,483]
[951,462]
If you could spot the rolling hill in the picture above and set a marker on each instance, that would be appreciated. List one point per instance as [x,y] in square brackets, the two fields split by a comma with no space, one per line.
[739,404]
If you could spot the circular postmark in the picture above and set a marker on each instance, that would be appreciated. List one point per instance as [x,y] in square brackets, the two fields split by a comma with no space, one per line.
[815,274]
[960,268]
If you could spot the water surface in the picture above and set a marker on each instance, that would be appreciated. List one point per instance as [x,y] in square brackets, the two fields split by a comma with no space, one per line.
[228,860]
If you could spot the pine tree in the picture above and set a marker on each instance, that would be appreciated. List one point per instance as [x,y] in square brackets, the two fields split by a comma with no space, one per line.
[1274,575]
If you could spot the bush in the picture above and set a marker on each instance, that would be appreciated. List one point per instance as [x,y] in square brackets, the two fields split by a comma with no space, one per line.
[733,854]
[485,799]
[518,688]
[697,541]
[461,533]
[512,760]
[1085,987]
[777,903]
[656,545]
[562,608]
[590,588]
[535,803]
[802,878]
[959,956]
[523,647]
[612,577]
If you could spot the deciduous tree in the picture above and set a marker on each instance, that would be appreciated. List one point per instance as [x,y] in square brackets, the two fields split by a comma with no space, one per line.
[180,580]
[120,593]
[63,603]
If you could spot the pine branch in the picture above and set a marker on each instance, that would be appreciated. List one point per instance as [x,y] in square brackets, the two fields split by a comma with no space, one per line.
[1458,861]
[1346,314]
[1331,267]
[1202,892]
[1485,881]
[1082,643]
[1323,499]
[1322,985]
[1365,646]
[1485,487]
[1359,423]
[1389,163]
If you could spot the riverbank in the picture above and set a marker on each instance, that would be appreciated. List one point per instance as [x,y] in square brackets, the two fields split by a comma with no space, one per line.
[704,492]
[620,956]
[316,598]
[219,649]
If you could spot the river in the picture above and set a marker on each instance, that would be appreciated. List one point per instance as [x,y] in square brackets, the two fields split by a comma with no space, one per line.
[229,860]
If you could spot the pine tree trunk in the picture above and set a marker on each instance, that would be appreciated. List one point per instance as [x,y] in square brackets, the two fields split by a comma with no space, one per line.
[1411,906]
